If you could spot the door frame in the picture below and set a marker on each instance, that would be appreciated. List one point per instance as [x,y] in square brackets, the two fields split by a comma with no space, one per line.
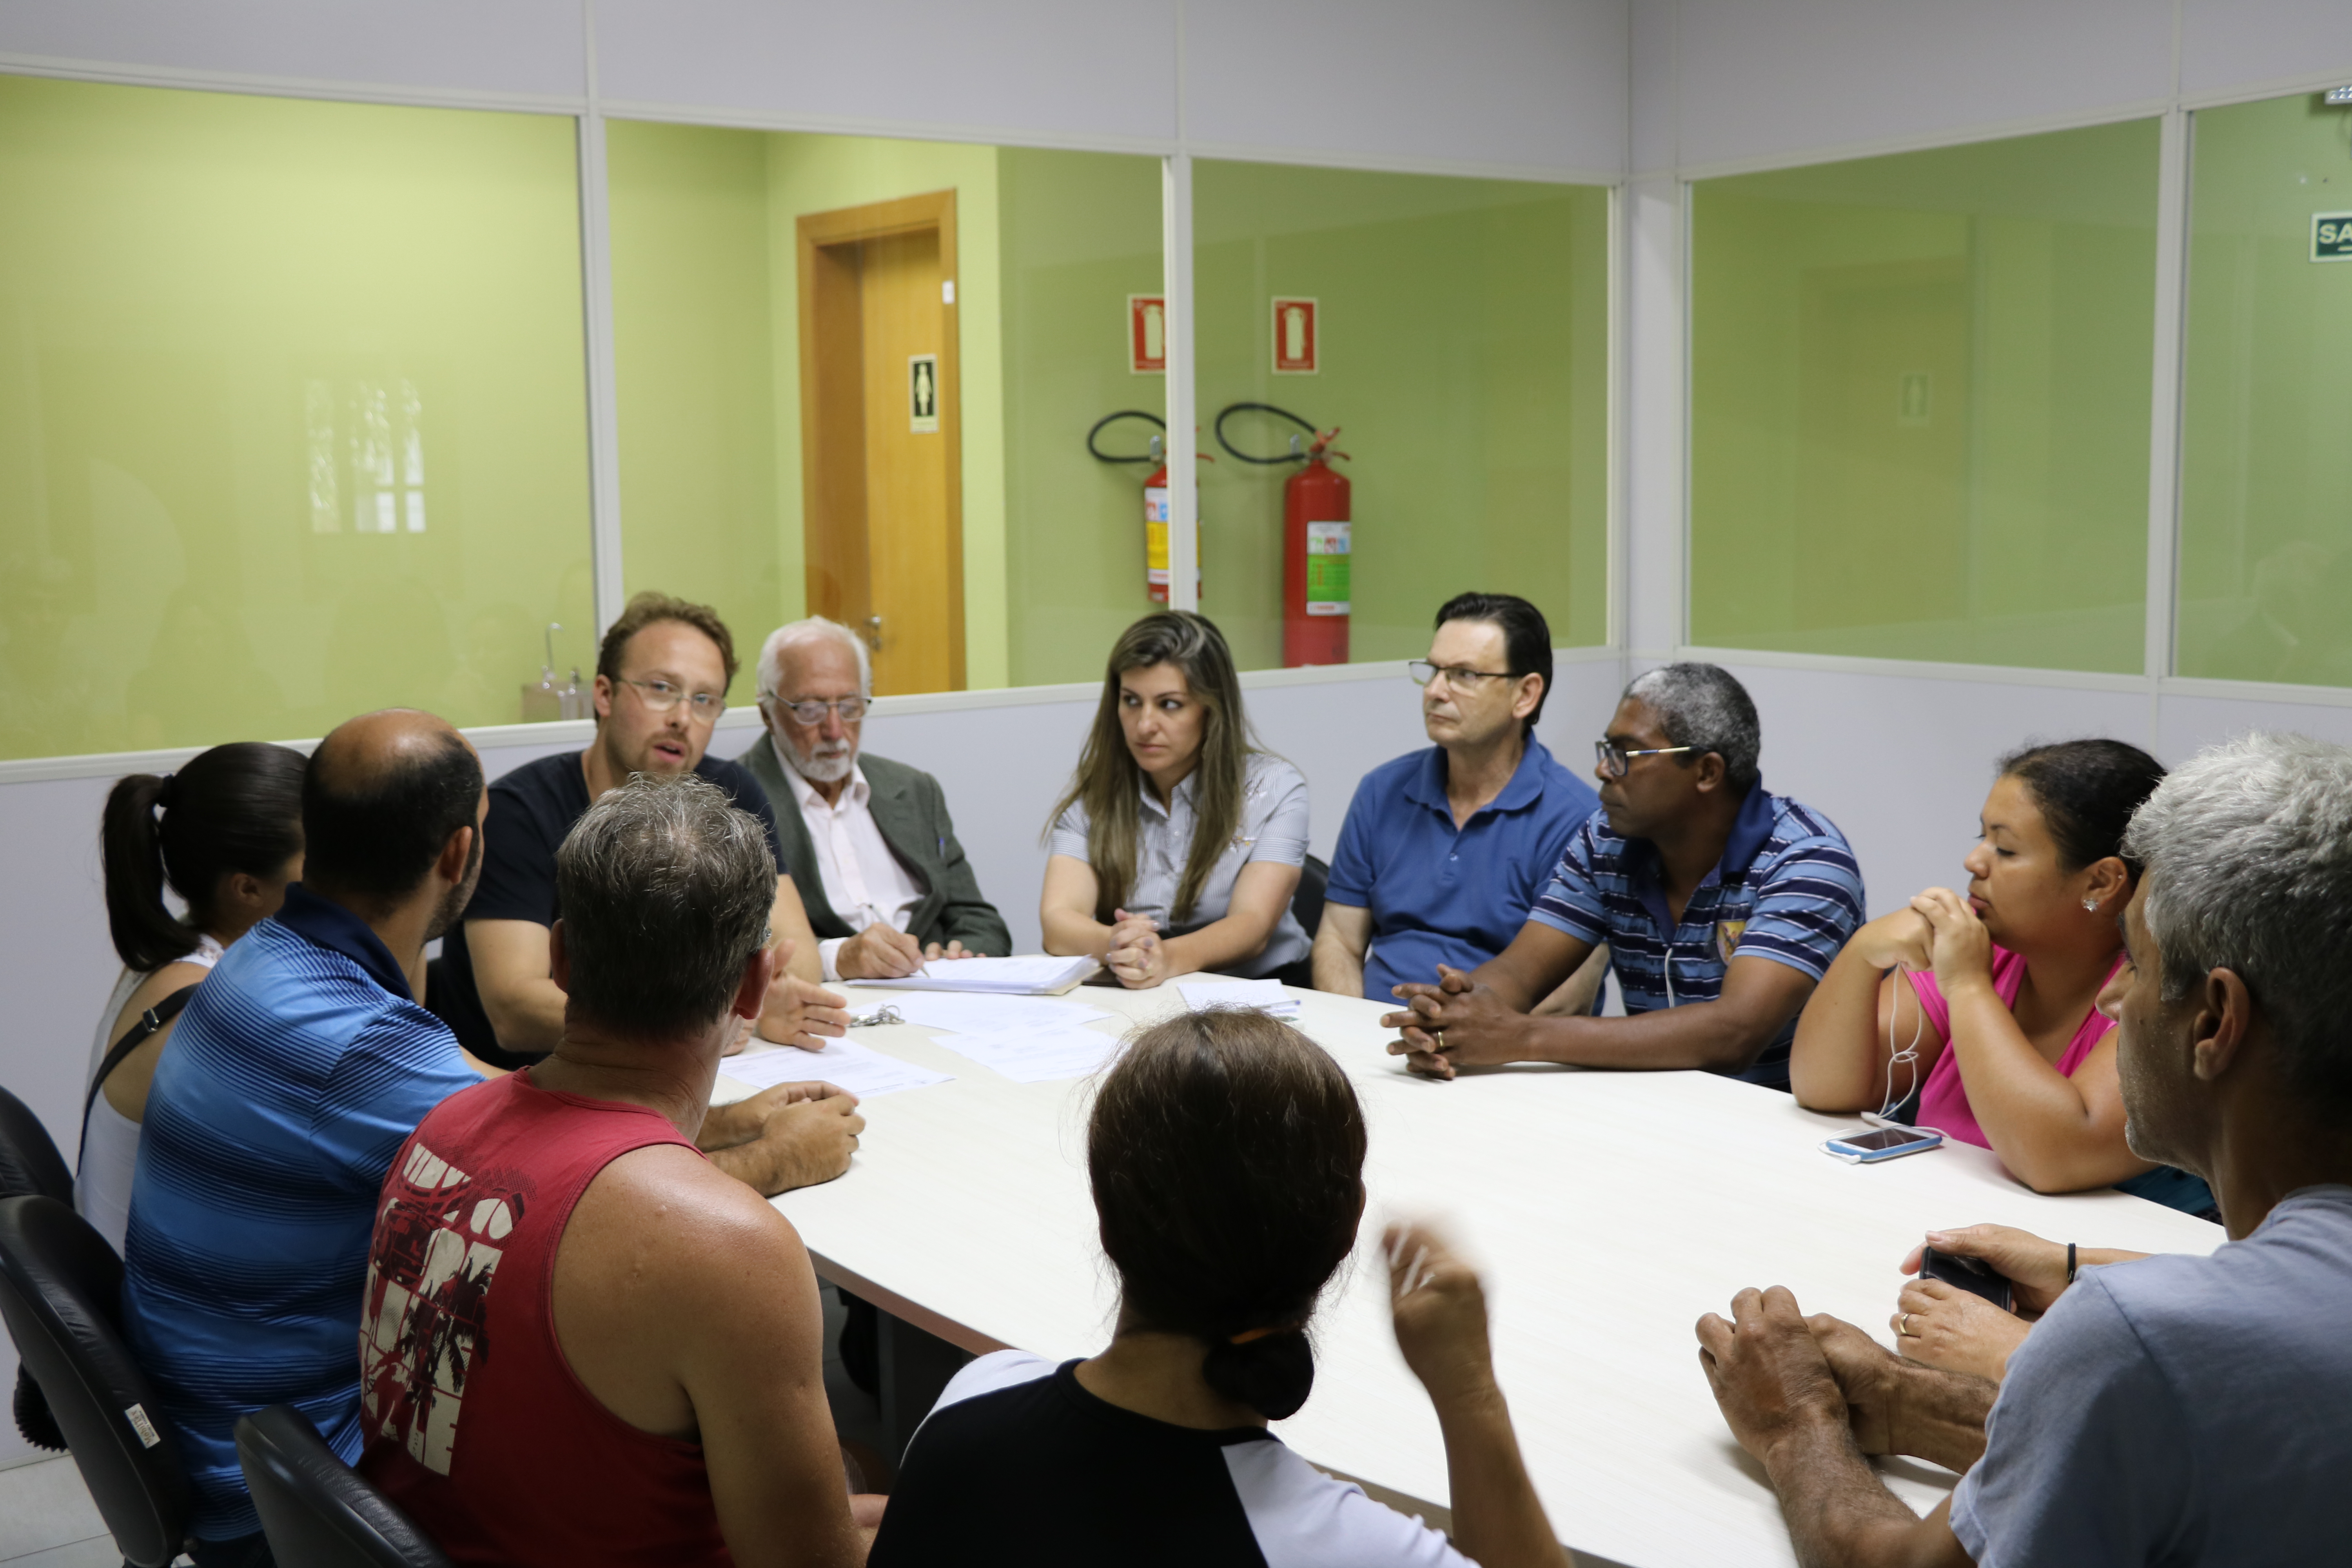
[832,460]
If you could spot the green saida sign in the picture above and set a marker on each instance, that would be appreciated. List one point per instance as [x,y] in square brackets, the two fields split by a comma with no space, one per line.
[2331,236]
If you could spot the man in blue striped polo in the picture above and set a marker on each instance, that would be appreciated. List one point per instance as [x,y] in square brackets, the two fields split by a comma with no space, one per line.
[1722,905]
[281,1102]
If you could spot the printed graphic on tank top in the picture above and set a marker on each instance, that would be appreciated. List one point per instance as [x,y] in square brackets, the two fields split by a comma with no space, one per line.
[424,1317]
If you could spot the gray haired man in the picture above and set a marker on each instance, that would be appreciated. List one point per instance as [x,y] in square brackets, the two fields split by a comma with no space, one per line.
[1721,904]
[891,886]
[2174,1409]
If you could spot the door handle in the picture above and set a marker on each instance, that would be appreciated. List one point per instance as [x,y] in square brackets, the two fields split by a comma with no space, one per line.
[874,633]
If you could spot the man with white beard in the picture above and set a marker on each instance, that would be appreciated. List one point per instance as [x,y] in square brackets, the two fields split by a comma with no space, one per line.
[892,887]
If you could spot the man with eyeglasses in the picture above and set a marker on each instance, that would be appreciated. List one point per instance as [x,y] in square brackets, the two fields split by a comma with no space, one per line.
[1722,905]
[1443,850]
[662,674]
[887,885]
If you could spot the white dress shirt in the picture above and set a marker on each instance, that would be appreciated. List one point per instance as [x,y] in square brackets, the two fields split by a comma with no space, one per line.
[862,879]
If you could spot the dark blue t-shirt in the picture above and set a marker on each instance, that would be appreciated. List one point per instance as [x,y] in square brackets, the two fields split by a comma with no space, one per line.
[1439,894]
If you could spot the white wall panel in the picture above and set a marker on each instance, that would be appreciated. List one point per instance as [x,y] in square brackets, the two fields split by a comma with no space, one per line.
[1057,68]
[2236,44]
[2188,723]
[1760,80]
[1536,83]
[523,46]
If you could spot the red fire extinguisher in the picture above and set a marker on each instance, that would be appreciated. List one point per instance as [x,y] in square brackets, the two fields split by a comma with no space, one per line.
[1317,541]
[1155,506]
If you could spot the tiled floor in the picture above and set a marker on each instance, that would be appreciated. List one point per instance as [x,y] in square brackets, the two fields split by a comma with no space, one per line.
[47,1521]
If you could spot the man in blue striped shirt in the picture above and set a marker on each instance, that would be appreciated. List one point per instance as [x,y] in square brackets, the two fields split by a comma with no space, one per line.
[1722,905]
[294,1074]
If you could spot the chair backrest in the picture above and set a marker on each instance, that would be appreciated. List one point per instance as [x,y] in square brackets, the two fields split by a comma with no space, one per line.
[29,1161]
[60,1292]
[1306,903]
[317,1510]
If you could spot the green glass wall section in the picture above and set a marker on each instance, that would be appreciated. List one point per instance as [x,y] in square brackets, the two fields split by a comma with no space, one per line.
[292,413]
[708,351]
[2266,455]
[1462,352]
[1920,395]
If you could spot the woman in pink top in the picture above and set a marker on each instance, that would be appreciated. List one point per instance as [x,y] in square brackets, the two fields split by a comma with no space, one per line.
[1985,1004]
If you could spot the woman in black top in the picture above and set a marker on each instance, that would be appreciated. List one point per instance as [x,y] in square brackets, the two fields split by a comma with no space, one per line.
[1227,1153]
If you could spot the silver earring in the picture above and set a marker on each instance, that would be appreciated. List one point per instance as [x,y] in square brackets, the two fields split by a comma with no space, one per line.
[2090,906]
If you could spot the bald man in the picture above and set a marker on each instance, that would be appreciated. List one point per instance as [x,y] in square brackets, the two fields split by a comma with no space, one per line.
[277,1110]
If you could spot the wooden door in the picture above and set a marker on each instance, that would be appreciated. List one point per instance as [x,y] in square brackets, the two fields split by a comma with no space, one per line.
[881,469]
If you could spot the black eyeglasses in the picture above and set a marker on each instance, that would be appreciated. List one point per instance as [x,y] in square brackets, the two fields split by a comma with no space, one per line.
[1424,672]
[850,709]
[1615,759]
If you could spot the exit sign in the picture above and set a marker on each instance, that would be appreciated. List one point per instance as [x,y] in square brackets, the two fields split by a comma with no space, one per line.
[2331,236]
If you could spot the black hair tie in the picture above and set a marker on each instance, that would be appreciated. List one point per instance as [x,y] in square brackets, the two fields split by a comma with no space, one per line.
[1270,1371]
[166,792]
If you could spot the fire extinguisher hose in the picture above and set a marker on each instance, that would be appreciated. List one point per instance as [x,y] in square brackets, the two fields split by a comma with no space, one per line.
[1321,438]
[1146,456]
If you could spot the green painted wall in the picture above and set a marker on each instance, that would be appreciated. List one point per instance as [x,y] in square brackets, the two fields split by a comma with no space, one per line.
[2266,459]
[222,322]
[1920,402]
[1081,233]
[1465,357]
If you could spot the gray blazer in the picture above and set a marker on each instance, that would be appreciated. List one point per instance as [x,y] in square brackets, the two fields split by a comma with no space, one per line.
[912,812]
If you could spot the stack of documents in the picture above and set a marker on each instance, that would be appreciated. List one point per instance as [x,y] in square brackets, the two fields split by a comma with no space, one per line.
[1266,995]
[1038,1056]
[1034,974]
[845,1064]
[978,1013]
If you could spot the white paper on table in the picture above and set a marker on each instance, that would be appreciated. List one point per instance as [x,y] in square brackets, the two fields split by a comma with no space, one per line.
[1266,995]
[979,1012]
[1038,1056]
[1029,974]
[845,1064]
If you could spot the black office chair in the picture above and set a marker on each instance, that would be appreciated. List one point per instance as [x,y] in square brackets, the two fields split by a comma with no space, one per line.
[1306,903]
[316,1509]
[60,1292]
[30,1163]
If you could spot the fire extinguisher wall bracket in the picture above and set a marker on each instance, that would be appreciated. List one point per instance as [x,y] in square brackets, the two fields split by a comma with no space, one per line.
[1317,541]
[1155,499]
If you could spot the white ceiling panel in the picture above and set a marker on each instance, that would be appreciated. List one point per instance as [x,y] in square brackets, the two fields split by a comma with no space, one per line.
[2229,44]
[1758,80]
[1057,68]
[1540,84]
[529,47]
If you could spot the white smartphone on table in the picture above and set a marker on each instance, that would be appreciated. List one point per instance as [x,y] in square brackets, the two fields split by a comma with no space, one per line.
[1880,1143]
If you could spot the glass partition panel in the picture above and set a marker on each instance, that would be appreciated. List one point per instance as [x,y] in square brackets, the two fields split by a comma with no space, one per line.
[1920,392]
[292,414]
[856,378]
[2266,461]
[1454,331]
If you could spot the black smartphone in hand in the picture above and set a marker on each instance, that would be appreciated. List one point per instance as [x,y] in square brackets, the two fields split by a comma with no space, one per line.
[1970,1274]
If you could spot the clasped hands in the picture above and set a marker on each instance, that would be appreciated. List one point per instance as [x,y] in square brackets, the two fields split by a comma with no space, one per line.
[1137,956]
[1455,1023]
[1940,931]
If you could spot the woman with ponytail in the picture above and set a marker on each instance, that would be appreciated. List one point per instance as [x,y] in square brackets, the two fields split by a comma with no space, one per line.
[1227,1154]
[225,834]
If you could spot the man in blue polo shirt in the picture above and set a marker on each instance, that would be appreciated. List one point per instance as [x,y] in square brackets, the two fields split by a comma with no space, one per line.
[1444,850]
[287,1089]
[1722,905]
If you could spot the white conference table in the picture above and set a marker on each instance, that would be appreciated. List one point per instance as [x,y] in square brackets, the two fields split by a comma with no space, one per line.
[1607,1211]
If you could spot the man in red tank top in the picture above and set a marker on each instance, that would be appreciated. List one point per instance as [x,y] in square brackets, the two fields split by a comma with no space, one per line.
[582,1343]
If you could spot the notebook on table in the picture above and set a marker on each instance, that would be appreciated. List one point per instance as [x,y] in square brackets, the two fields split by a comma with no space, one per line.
[1030,974]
